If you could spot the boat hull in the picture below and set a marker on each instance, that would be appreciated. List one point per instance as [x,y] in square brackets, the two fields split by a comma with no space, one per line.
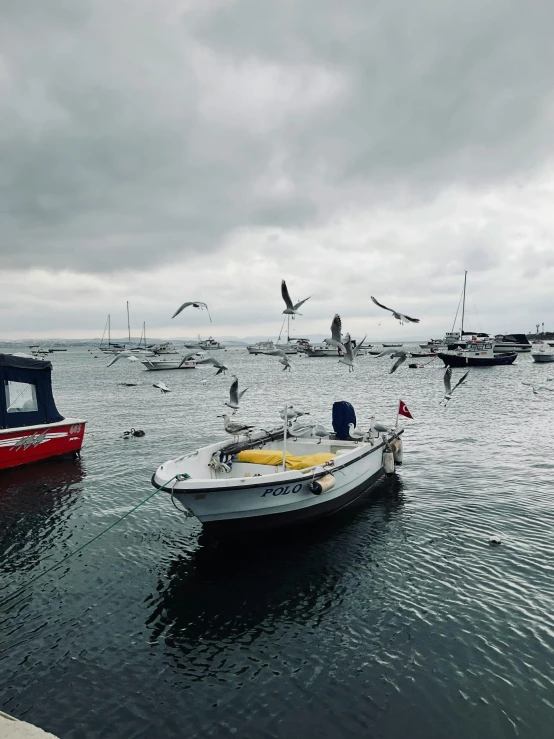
[28,444]
[277,499]
[542,358]
[167,364]
[457,360]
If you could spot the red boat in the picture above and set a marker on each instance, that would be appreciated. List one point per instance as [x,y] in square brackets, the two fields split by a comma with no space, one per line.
[31,428]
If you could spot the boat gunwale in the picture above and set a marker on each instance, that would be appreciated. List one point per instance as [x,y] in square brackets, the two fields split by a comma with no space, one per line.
[253,486]
[36,426]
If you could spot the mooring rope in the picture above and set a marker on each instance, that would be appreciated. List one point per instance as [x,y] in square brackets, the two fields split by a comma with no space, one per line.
[21,590]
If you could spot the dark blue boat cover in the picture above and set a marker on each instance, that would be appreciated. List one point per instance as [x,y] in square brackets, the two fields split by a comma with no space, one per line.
[26,392]
[343,414]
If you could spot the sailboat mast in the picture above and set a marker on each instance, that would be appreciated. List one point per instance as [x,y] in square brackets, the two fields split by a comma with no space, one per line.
[288,329]
[463,305]
[109,331]
[144,332]
[128,323]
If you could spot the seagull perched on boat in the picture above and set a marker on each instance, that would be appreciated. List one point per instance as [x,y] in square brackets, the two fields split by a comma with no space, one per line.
[291,309]
[162,386]
[221,368]
[354,433]
[280,353]
[379,426]
[321,432]
[292,413]
[350,353]
[448,389]
[195,304]
[536,388]
[234,395]
[235,428]
[336,334]
[123,355]
[402,317]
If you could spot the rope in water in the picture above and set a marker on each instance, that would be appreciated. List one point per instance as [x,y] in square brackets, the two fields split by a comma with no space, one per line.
[79,549]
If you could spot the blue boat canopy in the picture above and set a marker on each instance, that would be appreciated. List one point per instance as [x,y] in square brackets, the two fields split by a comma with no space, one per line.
[26,392]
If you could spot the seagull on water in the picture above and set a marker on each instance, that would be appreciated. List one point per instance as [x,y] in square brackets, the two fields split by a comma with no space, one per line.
[350,353]
[402,317]
[336,334]
[234,395]
[448,389]
[536,388]
[221,368]
[235,428]
[280,353]
[162,386]
[195,304]
[291,309]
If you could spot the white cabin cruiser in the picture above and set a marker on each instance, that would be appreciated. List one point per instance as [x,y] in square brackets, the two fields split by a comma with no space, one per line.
[260,347]
[542,354]
[244,485]
[167,363]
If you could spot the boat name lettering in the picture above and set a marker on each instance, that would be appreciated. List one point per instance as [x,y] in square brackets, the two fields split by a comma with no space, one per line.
[284,490]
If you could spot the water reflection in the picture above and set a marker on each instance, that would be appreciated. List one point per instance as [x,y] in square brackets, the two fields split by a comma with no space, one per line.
[225,591]
[34,502]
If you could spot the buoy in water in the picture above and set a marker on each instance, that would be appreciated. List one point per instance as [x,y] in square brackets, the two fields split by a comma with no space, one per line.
[494,541]
[388,462]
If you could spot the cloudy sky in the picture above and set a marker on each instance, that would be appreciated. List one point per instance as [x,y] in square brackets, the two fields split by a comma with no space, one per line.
[163,150]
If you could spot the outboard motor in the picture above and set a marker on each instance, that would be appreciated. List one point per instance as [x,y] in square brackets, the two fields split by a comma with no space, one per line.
[343,414]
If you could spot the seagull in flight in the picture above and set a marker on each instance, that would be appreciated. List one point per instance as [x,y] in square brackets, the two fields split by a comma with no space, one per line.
[221,368]
[291,309]
[195,304]
[336,334]
[536,388]
[187,356]
[162,386]
[401,355]
[123,355]
[351,352]
[402,317]
[234,395]
[280,353]
[448,389]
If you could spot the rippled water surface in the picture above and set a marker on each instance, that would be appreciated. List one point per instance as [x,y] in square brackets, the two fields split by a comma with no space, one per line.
[392,619]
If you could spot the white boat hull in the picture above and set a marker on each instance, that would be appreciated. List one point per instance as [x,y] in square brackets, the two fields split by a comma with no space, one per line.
[262,501]
[167,364]
[542,358]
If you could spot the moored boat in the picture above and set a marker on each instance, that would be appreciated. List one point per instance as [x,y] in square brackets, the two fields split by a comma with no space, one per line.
[476,354]
[247,485]
[169,363]
[542,354]
[31,428]
[511,343]
[210,343]
[260,347]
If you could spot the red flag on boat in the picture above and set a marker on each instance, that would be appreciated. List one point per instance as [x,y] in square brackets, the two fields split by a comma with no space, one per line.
[403,410]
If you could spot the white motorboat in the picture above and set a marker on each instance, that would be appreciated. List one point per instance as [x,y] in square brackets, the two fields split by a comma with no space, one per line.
[323,349]
[260,347]
[167,363]
[245,485]
[164,348]
[210,343]
[542,353]
[508,343]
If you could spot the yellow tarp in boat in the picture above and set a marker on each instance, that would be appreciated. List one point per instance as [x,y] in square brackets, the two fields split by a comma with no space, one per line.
[275,457]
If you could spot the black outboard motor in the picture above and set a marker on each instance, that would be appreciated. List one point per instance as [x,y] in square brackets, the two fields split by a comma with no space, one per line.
[343,414]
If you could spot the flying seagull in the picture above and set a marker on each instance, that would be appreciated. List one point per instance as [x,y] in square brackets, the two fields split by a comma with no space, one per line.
[187,356]
[162,386]
[280,353]
[336,334]
[448,389]
[399,316]
[221,368]
[195,304]
[291,309]
[350,353]
[122,355]
[235,428]
[234,395]
[536,388]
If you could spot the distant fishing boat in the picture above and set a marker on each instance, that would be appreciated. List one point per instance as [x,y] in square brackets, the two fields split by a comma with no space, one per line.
[31,428]
[476,354]
[210,344]
[260,347]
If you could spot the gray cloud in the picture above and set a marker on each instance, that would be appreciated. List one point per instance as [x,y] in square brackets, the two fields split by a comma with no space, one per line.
[138,133]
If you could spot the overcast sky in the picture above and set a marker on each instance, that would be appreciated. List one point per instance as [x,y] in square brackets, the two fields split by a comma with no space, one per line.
[159,151]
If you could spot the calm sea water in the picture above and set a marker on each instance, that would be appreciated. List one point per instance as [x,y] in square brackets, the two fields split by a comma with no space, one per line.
[392,619]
